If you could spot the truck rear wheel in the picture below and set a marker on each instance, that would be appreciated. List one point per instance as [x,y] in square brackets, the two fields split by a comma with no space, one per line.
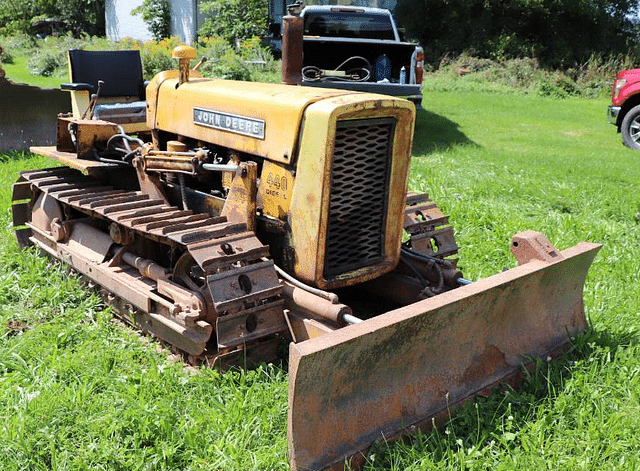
[630,128]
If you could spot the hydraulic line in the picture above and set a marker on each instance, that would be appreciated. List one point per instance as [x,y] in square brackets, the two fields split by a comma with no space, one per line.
[432,260]
[333,298]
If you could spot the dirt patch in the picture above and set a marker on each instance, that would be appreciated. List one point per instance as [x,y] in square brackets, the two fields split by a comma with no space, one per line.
[16,327]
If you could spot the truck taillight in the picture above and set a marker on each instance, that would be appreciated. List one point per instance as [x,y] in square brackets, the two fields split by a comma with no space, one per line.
[417,61]
[618,84]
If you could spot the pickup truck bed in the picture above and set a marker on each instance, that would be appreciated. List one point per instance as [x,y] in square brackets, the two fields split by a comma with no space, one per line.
[357,38]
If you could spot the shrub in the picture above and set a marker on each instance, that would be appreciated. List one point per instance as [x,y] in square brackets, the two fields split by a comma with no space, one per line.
[234,19]
[48,62]
[556,85]
[156,56]
[213,47]
[19,42]
[228,66]
[526,75]
[5,57]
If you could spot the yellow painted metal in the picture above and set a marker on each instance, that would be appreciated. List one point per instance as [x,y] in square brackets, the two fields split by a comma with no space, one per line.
[240,205]
[227,177]
[183,52]
[309,210]
[276,187]
[290,128]
[256,118]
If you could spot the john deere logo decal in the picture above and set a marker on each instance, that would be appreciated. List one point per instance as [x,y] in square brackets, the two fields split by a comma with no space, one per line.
[229,122]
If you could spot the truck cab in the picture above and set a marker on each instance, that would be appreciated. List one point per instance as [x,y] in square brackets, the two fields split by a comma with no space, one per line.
[349,22]
[624,110]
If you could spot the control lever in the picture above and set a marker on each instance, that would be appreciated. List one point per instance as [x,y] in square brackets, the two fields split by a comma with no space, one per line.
[93,101]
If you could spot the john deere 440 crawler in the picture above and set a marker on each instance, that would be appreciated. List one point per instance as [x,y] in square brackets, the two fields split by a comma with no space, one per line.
[242,211]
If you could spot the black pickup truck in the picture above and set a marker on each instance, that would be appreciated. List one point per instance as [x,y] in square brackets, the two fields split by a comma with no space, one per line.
[358,48]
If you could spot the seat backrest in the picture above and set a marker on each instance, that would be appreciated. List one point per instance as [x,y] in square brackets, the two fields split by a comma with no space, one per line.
[121,71]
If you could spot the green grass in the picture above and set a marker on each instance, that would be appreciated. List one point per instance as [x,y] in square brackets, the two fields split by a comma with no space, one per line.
[502,163]
[18,72]
[78,391]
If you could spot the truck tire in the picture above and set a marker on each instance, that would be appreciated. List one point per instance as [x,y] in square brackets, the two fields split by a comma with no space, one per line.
[630,128]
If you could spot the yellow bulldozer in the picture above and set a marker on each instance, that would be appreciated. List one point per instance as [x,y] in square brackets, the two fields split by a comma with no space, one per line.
[242,216]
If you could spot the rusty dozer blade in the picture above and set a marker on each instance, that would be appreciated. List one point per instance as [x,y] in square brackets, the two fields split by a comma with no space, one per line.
[373,380]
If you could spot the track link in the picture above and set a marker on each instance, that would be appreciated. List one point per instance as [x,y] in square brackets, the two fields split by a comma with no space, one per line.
[428,227]
[223,265]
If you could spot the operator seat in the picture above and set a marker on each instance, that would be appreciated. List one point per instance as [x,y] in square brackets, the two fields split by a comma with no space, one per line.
[122,96]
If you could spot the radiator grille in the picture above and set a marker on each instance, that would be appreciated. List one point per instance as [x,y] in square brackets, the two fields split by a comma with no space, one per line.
[358,201]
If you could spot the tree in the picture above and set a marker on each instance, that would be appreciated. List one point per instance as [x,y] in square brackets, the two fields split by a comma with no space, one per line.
[157,15]
[79,16]
[234,19]
[557,32]
[83,16]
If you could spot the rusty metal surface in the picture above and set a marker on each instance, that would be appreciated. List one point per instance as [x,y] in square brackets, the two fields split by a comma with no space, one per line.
[292,33]
[29,115]
[428,227]
[303,327]
[311,197]
[245,326]
[233,287]
[240,205]
[372,380]
[83,136]
[532,245]
[301,300]
[87,167]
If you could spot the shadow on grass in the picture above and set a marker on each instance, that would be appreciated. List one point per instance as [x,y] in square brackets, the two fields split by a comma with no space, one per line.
[435,132]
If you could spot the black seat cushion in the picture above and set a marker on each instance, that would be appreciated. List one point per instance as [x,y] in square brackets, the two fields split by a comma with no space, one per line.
[121,72]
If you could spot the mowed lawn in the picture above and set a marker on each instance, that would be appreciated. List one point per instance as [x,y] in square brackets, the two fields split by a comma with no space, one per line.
[78,391]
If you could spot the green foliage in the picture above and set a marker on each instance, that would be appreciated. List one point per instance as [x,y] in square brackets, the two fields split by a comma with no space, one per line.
[19,43]
[83,17]
[47,62]
[525,75]
[559,33]
[556,85]
[156,56]
[157,15]
[251,49]
[5,57]
[48,58]
[222,61]
[234,19]
[227,66]
[79,16]
[251,62]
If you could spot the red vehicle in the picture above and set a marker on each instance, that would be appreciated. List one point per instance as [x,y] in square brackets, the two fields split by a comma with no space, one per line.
[624,111]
